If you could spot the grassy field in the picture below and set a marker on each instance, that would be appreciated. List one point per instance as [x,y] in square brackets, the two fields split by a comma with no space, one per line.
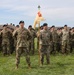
[60,65]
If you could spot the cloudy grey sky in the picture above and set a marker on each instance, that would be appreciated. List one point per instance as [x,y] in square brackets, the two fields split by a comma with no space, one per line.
[56,12]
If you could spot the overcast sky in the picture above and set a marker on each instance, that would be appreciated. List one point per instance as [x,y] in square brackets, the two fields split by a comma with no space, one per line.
[56,12]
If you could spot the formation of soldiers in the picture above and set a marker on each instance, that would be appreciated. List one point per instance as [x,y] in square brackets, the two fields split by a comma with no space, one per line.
[22,40]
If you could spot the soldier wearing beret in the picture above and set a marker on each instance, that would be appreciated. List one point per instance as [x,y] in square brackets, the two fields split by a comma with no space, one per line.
[54,40]
[65,40]
[44,41]
[23,36]
[31,42]
[5,34]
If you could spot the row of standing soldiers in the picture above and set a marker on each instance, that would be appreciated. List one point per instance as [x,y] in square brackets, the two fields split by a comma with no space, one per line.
[60,40]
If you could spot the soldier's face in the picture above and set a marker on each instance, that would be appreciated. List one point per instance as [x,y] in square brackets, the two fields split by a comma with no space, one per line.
[30,28]
[17,27]
[53,28]
[45,27]
[5,27]
[22,25]
[65,28]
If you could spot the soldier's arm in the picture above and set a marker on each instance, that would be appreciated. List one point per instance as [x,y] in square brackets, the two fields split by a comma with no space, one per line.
[61,34]
[15,33]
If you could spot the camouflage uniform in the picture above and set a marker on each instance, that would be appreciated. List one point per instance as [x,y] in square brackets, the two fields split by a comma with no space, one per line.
[5,41]
[0,43]
[45,38]
[54,41]
[71,41]
[15,41]
[59,41]
[12,43]
[22,36]
[65,41]
[31,42]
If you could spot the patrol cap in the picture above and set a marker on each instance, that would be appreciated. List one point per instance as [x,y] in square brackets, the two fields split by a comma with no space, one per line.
[4,25]
[21,22]
[45,24]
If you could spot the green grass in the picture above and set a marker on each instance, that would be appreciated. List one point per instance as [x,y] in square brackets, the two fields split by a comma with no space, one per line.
[60,65]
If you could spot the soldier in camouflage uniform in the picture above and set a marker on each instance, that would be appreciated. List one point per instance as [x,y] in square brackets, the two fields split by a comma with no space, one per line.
[23,36]
[45,40]
[71,40]
[59,32]
[5,34]
[0,42]
[15,38]
[11,41]
[54,40]
[31,42]
[65,40]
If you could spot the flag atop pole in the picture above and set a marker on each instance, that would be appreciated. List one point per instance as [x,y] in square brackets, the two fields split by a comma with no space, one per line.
[38,18]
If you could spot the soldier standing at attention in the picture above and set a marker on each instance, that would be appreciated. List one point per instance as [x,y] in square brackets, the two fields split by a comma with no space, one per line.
[45,39]
[0,42]
[5,34]
[23,36]
[54,40]
[31,42]
[59,32]
[15,38]
[71,40]
[65,40]
[11,41]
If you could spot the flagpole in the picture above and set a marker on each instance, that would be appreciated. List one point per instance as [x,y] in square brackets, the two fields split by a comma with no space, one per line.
[39,38]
